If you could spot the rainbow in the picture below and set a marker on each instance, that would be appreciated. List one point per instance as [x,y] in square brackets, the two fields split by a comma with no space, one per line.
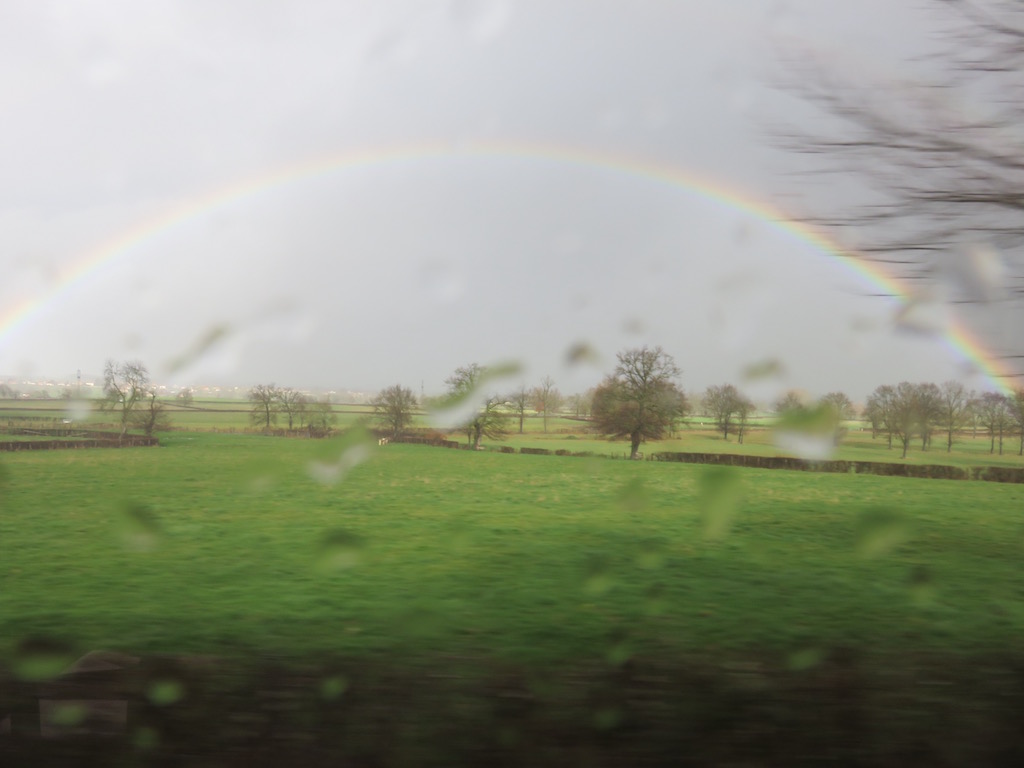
[958,339]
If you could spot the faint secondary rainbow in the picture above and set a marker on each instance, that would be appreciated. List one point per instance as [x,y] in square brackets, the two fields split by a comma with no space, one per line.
[960,341]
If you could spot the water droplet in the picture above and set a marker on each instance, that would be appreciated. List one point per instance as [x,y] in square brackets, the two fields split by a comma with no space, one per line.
[633,497]
[606,718]
[146,738]
[804,658]
[38,658]
[339,551]
[920,585]
[139,528]
[655,602]
[598,579]
[164,691]
[442,282]
[67,714]
[331,688]
[618,651]
[346,453]
[809,433]
[720,492]
[764,369]
[421,621]
[199,348]
[923,314]
[458,535]
[633,325]
[78,411]
[880,530]
[652,555]
[981,275]
[481,19]
[581,352]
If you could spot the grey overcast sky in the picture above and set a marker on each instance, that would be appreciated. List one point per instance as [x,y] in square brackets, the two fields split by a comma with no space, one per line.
[512,236]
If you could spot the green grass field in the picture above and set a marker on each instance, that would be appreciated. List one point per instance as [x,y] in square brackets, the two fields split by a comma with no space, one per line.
[234,544]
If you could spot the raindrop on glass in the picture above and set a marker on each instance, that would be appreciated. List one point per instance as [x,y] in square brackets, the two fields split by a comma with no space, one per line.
[880,530]
[39,658]
[339,551]
[139,528]
[720,492]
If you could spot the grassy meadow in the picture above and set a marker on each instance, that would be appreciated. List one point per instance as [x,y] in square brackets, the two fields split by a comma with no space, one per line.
[300,601]
[241,544]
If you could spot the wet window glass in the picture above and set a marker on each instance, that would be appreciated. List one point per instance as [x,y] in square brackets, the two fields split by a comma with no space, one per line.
[461,381]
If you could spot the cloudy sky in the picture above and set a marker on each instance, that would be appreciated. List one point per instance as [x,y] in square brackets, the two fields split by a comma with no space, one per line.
[353,194]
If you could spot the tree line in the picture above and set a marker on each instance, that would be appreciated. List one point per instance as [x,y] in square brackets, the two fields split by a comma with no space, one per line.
[639,400]
[906,411]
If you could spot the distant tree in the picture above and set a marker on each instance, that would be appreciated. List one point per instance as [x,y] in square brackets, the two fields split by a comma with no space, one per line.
[151,416]
[994,416]
[840,408]
[954,407]
[265,399]
[518,400]
[903,414]
[580,403]
[547,399]
[490,419]
[7,393]
[394,408]
[185,396]
[321,417]
[744,408]
[640,400]
[124,386]
[722,402]
[879,410]
[929,411]
[840,404]
[1015,403]
[291,403]
[789,402]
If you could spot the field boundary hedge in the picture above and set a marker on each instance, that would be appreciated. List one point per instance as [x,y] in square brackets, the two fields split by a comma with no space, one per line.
[86,439]
[929,471]
[887,469]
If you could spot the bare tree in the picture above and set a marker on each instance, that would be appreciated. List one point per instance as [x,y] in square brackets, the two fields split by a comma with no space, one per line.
[580,403]
[265,399]
[929,411]
[490,419]
[124,386]
[519,399]
[291,403]
[321,417]
[944,189]
[954,406]
[839,408]
[879,410]
[151,415]
[903,414]
[1015,403]
[185,396]
[640,400]
[744,408]
[394,408]
[722,402]
[994,415]
[790,401]
[547,399]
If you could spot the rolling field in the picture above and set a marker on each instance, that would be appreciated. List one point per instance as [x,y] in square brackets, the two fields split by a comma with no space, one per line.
[244,544]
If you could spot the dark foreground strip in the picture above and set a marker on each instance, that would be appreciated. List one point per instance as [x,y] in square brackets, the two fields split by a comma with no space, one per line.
[839,710]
